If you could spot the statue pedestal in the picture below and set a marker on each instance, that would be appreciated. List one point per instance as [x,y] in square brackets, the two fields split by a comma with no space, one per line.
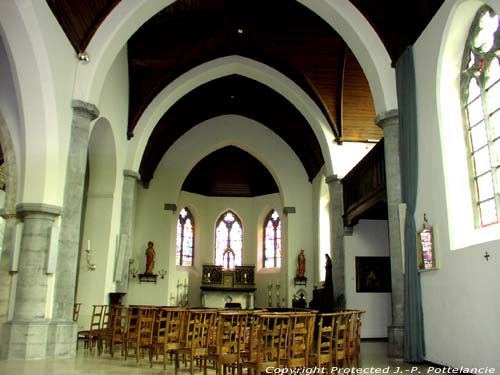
[148,278]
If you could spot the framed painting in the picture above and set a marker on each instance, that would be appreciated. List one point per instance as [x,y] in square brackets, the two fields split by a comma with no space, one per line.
[426,251]
[373,275]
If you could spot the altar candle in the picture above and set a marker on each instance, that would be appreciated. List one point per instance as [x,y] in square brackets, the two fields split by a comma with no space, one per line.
[88,244]
[278,283]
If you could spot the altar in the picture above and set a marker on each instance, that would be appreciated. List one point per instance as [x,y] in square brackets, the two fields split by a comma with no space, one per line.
[220,287]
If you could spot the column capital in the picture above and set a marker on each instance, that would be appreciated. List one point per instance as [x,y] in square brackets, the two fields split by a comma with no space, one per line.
[333,178]
[38,208]
[84,109]
[387,118]
[131,173]
[7,214]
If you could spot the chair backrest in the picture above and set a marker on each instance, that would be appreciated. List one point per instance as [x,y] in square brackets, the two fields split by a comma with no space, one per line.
[145,325]
[340,338]
[96,319]
[132,321]
[106,319]
[76,311]
[231,331]
[197,328]
[169,327]
[300,336]
[272,339]
[118,318]
[251,335]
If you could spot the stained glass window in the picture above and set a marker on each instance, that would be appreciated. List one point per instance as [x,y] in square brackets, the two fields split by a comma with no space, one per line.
[228,240]
[185,238]
[480,82]
[272,240]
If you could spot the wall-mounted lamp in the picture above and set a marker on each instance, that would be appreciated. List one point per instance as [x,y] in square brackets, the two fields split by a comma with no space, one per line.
[133,271]
[83,57]
[90,266]
[162,273]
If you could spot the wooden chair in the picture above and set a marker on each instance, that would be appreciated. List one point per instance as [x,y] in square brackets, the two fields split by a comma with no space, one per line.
[112,335]
[354,339]
[249,351]
[272,338]
[340,340]
[130,333]
[300,337]
[196,337]
[91,335]
[142,337]
[321,355]
[230,339]
[167,338]
[76,311]
[106,328]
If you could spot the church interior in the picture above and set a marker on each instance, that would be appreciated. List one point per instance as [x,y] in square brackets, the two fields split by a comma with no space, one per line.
[284,155]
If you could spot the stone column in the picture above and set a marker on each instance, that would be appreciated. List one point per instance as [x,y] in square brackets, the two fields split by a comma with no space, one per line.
[337,234]
[69,240]
[26,336]
[129,196]
[5,277]
[389,122]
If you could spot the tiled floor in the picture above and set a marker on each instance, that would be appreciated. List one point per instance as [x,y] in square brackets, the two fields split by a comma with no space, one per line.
[374,357]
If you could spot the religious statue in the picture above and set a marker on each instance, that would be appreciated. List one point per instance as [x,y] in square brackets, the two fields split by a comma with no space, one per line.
[301,265]
[328,273]
[150,258]
[323,298]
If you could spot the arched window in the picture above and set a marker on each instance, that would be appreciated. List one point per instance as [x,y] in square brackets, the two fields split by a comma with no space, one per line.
[185,238]
[228,240]
[480,89]
[272,240]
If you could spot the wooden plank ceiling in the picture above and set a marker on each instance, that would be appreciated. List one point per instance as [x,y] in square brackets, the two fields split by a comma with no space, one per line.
[280,33]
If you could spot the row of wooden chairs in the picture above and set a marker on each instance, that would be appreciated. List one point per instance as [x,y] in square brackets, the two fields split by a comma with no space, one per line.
[239,339]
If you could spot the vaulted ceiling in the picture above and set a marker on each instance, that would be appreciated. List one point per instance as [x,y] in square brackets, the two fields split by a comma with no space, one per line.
[282,34]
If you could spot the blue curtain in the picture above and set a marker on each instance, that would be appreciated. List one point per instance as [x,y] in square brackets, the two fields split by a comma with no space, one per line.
[414,349]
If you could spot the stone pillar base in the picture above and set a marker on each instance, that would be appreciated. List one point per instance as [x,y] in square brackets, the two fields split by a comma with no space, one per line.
[395,348]
[62,338]
[24,339]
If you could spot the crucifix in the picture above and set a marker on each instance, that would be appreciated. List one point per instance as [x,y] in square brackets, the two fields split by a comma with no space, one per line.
[486,256]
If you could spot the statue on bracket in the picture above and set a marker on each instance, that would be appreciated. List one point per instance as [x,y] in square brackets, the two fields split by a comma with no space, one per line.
[150,258]
[301,265]
[300,278]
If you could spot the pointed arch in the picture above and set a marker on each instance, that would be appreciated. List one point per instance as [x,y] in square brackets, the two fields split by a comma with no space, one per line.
[272,230]
[228,240]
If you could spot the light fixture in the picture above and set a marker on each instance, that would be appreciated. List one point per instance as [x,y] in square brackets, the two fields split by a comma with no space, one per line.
[133,271]
[239,31]
[90,266]
[162,273]
[83,56]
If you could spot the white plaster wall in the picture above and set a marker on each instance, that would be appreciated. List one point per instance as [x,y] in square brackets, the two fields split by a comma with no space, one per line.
[461,300]
[369,238]
[107,150]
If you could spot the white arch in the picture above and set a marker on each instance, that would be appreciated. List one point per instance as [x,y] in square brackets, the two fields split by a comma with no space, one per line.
[219,68]
[129,15]
[34,85]
[242,132]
